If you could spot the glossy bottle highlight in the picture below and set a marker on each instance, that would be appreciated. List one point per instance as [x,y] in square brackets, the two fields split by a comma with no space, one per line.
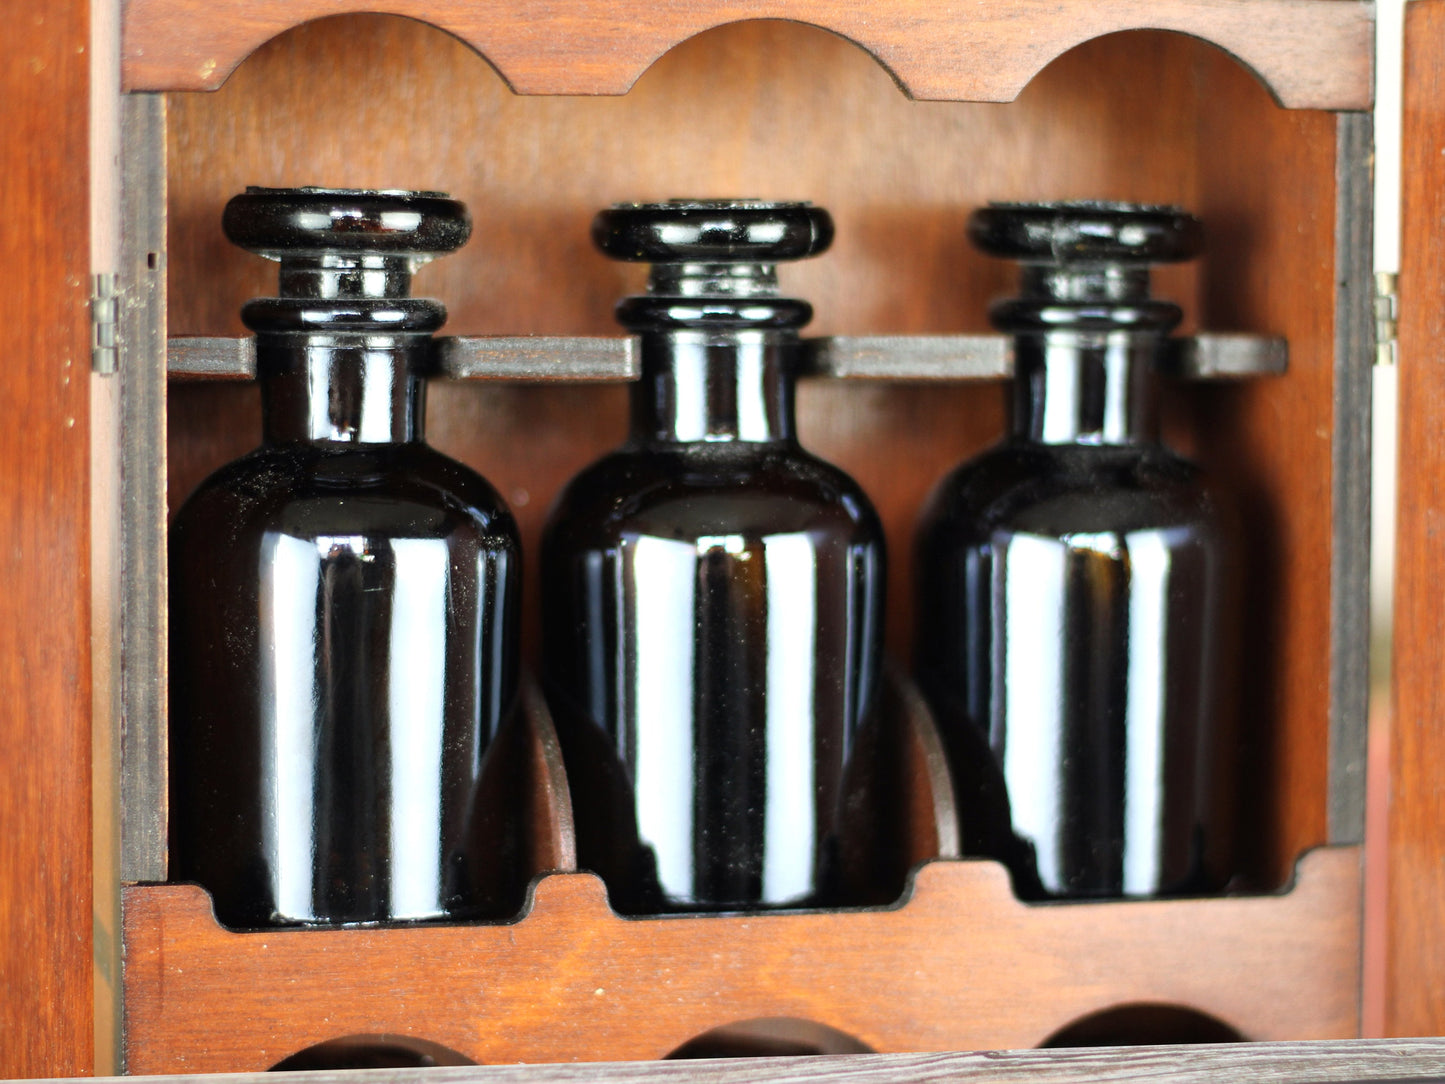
[1071,581]
[712,593]
[343,600]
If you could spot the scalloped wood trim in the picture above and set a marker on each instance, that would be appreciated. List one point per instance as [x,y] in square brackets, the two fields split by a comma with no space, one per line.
[1312,54]
[960,965]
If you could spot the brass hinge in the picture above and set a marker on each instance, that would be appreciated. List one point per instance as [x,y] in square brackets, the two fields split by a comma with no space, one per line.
[104,322]
[1387,317]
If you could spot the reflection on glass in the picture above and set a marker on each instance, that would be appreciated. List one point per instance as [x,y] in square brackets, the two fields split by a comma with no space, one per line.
[1103,747]
[718,692]
[658,737]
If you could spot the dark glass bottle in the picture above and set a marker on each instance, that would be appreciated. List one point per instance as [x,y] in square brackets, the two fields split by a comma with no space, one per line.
[343,600]
[712,594]
[1070,580]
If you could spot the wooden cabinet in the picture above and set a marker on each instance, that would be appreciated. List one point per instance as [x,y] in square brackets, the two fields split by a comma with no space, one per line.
[1025,100]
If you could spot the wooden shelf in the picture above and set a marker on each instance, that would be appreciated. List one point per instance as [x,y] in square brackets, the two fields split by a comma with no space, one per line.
[960,965]
[1312,54]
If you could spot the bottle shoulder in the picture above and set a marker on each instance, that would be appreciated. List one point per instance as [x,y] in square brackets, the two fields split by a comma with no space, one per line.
[694,491]
[306,490]
[1030,487]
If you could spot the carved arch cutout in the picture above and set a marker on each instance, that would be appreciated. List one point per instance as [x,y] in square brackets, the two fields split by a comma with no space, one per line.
[1200,44]
[771,1036]
[1144,1024]
[371,1052]
[1310,55]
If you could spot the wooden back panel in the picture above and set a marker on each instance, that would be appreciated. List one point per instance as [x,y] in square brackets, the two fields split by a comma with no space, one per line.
[775,109]
[1271,266]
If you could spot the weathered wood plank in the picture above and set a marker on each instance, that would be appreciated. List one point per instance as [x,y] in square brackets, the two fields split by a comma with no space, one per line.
[1240,1063]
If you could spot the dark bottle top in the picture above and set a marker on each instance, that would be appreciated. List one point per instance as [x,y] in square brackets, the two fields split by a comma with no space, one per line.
[343,600]
[1070,579]
[712,594]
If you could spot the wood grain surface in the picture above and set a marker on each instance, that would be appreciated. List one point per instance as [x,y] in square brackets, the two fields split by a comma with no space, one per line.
[1415,858]
[961,965]
[780,110]
[1269,217]
[46,1008]
[1312,53]
[1320,1062]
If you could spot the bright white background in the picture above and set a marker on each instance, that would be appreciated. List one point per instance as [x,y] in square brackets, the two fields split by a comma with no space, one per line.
[1388,48]
[1388,52]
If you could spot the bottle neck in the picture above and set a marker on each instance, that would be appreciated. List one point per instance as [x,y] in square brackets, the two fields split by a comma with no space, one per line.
[1086,387]
[715,387]
[1086,342]
[341,388]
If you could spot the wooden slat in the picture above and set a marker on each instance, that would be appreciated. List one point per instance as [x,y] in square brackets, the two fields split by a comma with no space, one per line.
[144,659]
[1279,1063]
[545,359]
[46,1000]
[540,358]
[211,358]
[1415,859]
[912,357]
[962,965]
[1313,54]
[1354,363]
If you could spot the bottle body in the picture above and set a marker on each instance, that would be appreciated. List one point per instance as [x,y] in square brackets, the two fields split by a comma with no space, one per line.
[712,594]
[1068,641]
[343,629]
[1071,581]
[711,621]
[343,601]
